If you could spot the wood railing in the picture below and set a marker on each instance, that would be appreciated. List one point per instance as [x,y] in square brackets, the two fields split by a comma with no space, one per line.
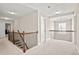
[24,44]
[11,37]
[30,32]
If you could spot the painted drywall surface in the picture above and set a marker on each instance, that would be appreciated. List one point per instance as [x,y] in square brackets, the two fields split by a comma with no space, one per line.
[47,29]
[2,29]
[78,31]
[41,28]
[77,11]
[28,24]
[76,26]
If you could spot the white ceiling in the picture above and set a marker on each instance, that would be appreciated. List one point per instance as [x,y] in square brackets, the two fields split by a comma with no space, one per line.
[54,7]
[21,9]
[17,8]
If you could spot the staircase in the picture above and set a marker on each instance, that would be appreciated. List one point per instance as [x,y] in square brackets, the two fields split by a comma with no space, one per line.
[17,38]
[19,44]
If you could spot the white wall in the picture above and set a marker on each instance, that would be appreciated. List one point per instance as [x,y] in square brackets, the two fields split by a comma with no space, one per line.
[28,23]
[77,11]
[47,28]
[2,29]
[41,27]
[76,25]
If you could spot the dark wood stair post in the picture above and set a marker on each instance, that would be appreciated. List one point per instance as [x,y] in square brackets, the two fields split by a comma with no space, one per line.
[13,37]
[24,44]
[8,35]
[24,48]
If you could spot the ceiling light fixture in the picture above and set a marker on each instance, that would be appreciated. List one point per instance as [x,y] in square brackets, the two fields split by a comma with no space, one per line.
[57,12]
[13,13]
[6,18]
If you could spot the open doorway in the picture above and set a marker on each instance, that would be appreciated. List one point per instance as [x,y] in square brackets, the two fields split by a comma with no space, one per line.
[7,28]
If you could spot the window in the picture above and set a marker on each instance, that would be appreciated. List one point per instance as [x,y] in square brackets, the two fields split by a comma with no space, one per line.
[62,26]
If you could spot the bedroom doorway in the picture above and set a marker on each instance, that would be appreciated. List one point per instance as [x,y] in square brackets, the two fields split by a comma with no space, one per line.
[7,28]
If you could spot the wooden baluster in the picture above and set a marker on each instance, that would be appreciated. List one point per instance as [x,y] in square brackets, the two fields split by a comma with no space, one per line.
[24,44]
[24,50]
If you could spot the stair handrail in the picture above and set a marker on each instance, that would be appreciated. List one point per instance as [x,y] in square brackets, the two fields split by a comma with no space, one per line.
[25,45]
